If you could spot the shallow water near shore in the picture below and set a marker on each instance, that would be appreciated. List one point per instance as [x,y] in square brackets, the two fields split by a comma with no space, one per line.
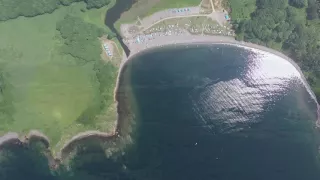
[218,112]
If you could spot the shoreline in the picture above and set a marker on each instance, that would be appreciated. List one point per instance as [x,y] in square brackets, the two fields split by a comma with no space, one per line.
[189,39]
[13,138]
[136,50]
[33,135]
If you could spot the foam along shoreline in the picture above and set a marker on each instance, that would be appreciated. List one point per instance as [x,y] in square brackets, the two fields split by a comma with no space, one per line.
[36,136]
[72,143]
[55,159]
[187,39]
[12,138]
[33,135]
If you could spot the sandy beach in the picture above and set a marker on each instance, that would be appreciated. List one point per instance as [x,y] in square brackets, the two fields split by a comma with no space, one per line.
[161,41]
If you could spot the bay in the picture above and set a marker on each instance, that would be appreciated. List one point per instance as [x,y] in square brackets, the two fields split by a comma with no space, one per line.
[198,112]
[220,112]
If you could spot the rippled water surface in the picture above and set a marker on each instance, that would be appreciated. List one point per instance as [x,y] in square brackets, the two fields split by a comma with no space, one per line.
[220,112]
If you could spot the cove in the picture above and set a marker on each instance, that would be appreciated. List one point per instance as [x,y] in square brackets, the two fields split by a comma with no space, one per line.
[219,112]
[198,111]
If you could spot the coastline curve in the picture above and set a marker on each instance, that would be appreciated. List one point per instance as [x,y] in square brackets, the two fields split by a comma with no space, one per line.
[136,50]
[186,39]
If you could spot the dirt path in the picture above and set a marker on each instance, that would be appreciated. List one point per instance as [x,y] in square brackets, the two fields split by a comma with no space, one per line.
[213,10]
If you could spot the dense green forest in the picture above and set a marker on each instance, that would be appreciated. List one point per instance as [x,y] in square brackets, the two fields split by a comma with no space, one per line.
[291,26]
[10,9]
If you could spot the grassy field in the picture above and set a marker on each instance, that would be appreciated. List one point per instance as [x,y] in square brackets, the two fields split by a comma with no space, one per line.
[166,4]
[143,8]
[46,89]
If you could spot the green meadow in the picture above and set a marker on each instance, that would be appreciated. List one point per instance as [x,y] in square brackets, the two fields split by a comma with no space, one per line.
[166,4]
[46,85]
[143,8]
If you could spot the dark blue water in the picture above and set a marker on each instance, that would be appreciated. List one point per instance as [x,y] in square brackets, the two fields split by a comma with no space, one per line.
[221,112]
[207,112]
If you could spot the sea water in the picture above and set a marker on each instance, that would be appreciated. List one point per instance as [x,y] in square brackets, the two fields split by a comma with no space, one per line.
[200,112]
[220,112]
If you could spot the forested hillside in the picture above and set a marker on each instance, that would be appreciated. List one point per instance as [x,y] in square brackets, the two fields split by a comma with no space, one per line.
[291,26]
[10,9]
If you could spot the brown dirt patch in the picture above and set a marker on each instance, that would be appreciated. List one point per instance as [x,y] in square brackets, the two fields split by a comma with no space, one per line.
[116,57]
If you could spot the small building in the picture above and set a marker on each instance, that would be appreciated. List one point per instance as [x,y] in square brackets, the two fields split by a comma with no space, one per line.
[107,49]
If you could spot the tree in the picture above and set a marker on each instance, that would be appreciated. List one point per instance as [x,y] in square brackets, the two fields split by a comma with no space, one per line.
[68,2]
[276,4]
[279,15]
[298,3]
[293,16]
[312,10]
[80,38]
[10,9]
[96,3]
[283,27]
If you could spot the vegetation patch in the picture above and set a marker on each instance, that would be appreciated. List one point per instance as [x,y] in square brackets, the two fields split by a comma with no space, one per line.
[80,38]
[10,9]
[143,8]
[166,4]
[52,77]
[286,26]
[242,9]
